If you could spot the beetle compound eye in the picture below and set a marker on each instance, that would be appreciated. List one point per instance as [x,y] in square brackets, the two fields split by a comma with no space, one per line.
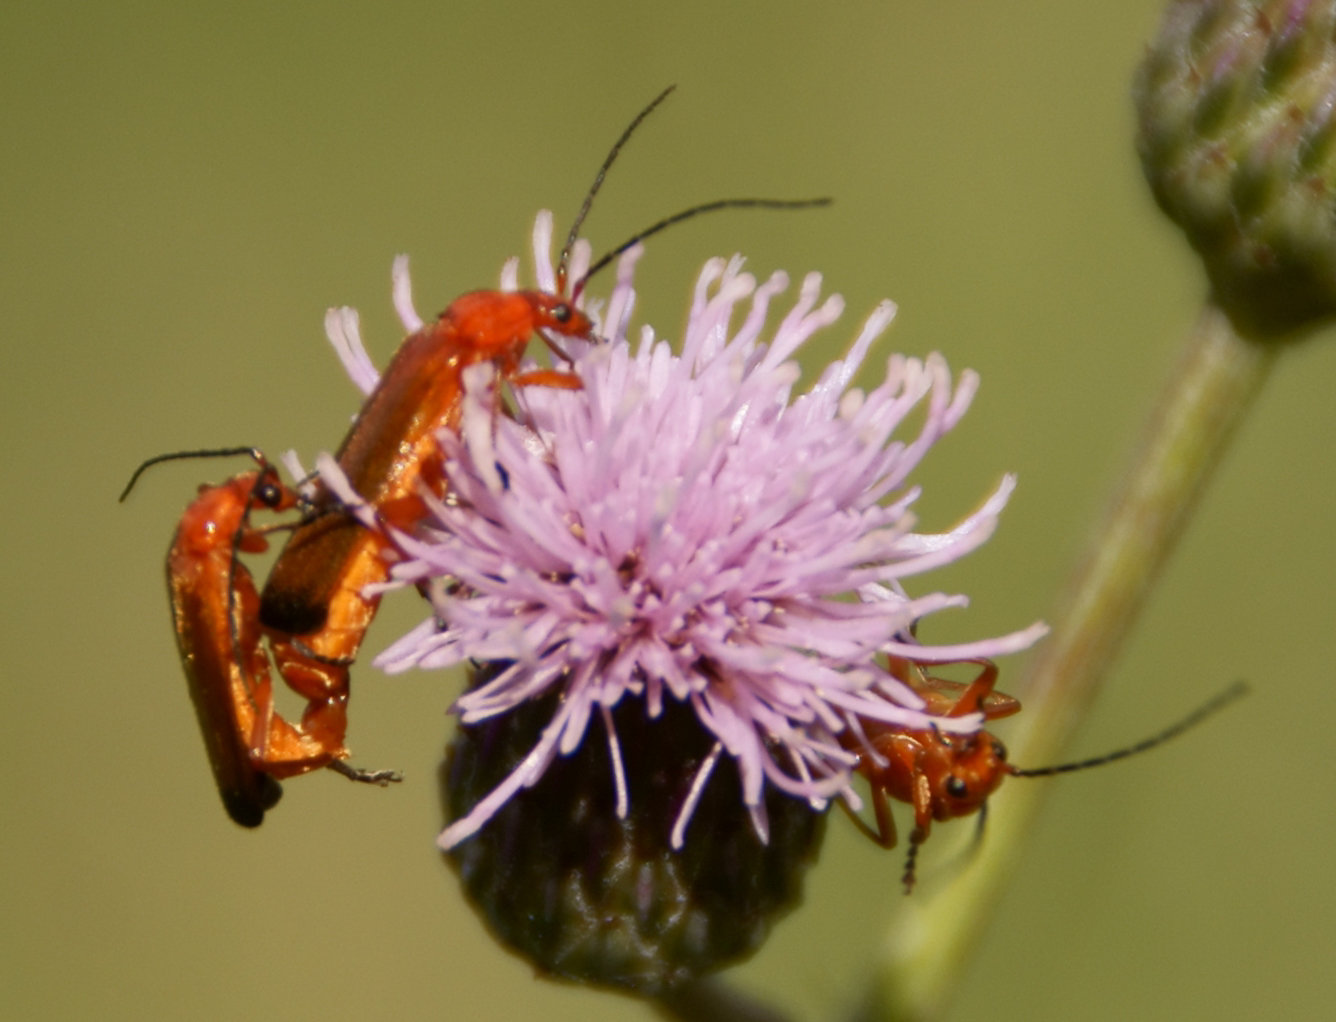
[956,788]
[269,494]
[561,313]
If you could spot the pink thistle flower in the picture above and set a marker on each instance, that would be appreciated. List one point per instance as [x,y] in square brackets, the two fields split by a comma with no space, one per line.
[687,528]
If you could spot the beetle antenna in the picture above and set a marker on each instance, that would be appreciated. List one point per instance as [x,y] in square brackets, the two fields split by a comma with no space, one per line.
[564,262]
[218,452]
[909,876]
[687,214]
[1213,705]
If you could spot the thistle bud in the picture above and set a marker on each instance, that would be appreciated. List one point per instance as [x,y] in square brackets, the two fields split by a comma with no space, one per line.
[1236,101]
[590,896]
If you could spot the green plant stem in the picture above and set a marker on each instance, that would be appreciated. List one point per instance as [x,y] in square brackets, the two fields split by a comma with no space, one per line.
[1208,394]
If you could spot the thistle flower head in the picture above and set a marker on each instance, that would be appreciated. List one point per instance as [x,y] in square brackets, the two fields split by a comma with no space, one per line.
[1236,101]
[685,528]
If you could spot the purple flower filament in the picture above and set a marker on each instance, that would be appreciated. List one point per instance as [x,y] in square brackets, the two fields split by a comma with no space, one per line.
[687,528]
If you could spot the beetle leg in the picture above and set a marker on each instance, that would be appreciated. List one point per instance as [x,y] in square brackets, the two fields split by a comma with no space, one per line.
[547,378]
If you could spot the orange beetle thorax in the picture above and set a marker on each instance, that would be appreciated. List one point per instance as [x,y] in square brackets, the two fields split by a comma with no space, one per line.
[209,525]
[499,324]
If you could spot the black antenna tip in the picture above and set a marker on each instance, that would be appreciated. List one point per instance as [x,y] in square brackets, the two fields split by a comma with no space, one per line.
[1212,706]
[608,161]
[686,214]
[211,452]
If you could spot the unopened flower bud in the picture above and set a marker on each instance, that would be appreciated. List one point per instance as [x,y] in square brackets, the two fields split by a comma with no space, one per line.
[1236,101]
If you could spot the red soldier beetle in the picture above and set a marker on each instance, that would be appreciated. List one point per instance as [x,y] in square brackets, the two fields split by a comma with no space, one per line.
[944,776]
[391,455]
[215,615]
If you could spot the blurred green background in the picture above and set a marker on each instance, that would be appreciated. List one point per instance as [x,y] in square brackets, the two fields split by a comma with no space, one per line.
[185,188]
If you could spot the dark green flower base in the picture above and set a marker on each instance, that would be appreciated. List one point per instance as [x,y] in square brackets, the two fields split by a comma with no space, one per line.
[587,897]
